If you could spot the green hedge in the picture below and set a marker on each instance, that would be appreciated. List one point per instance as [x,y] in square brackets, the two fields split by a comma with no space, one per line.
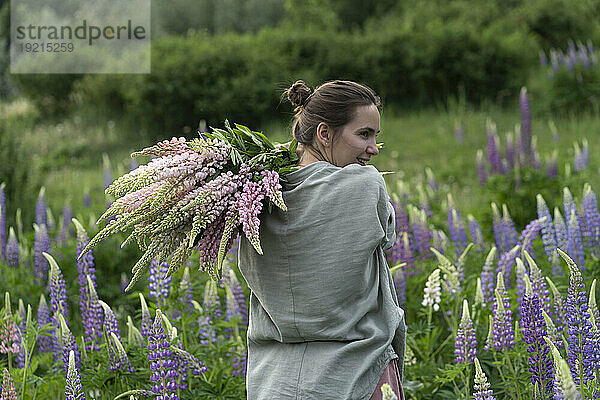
[417,56]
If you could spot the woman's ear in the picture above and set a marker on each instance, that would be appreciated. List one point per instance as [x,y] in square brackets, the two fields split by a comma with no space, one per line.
[324,134]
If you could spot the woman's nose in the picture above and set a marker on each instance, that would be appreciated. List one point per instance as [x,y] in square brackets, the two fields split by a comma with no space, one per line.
[372,147]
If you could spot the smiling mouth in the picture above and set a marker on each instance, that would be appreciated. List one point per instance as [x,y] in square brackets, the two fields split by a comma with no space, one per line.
[362,161]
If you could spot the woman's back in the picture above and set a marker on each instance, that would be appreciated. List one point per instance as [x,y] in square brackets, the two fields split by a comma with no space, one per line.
[323,311]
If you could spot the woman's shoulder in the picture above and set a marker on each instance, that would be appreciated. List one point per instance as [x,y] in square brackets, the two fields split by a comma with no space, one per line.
[366,175]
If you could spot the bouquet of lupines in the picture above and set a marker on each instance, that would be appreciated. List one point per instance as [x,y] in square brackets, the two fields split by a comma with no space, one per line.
[197,195]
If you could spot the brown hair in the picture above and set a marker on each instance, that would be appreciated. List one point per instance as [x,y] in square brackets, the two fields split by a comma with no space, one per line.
[333,102]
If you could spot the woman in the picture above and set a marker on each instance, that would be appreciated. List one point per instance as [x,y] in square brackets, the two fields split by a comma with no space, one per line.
[324,318]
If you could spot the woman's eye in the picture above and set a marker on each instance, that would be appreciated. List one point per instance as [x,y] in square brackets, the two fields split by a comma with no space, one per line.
[364,133]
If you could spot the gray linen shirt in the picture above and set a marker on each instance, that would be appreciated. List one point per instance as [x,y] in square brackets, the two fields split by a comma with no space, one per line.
[324,317]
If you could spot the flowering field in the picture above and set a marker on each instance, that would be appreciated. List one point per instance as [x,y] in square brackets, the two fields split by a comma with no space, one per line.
[494,309]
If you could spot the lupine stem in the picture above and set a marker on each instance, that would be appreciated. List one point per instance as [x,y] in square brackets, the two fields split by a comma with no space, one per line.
[500,370]
[513,372]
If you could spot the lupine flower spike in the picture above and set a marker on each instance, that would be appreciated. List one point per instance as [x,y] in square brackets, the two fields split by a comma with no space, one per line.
[134,336]
[487,275]
[503,335]
[564,385]
[146,318]
[2,222]
[465,348]
[162,366]
[538,283]
[433,291]
[8,387]
[481,389]
[69,345]
[12,249]
[533,329]
[92,319]
[558,306]
[593,307]
[73,388]
[583,353]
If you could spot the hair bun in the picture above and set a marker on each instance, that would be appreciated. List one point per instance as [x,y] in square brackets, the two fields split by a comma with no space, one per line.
[298,93]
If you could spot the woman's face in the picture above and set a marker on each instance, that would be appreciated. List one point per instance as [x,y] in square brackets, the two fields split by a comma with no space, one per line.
[356,143]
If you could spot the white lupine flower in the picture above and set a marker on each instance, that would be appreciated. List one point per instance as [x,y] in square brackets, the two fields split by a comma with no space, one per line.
[433,291]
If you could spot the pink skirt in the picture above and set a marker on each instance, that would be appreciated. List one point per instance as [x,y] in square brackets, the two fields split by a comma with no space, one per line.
[391,376]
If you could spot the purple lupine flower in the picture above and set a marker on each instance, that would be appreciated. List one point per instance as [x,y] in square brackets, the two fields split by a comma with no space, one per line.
[185,363]
[45,343]
[511,237]
[525,125]
[465,347]
[2,221]
[57,289]
[41,216]
[206,331]
[498,225]
[421,234]
[538,283]
[110,320]
[457,230]
[503,335]
[185,290]
[73,388]
[585,153]
[494,157]
[400,286]
[65,230]
[118,359]
[569,205]
[543,59]
[239,297]
[164,374]
[560,228]
[8,387]
[488,277]
[406,253]
[476,233]
[12,249]
[506,262]
[211,301]
[529,234]
[159,284]
[249,205]
[521,274]
[146,317]
[583,354]
[41,246]
[575,244]
[107,172]
[20,358]
[510,151]
[533,329]
[548,235]
[558,306]
[87,200]
[431,181]
[481,389]
[552,166]
[68,345]
[578,161]
[92,318]
[481,171]
[90,308]
[240,362]
[589,206]
[423,201]
[439,241]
